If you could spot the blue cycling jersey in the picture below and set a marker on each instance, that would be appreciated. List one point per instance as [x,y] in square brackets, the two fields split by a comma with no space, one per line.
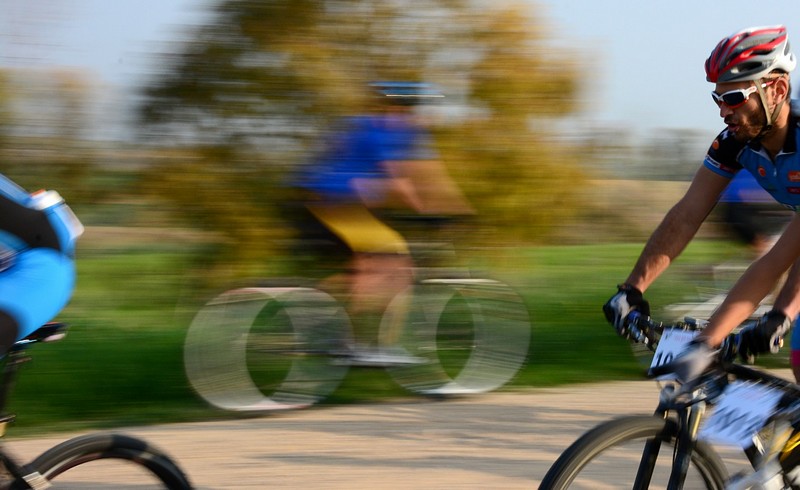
[359,152]
[37,241]
[781,177]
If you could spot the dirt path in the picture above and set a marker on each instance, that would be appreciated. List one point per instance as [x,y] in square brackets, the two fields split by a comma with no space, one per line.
[498,441]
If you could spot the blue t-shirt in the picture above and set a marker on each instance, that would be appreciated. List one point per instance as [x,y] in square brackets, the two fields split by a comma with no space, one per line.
[361,150]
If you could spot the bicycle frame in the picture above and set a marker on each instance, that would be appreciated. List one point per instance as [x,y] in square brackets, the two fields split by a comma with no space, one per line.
[689,404]
[11,365]
[745,408]
[72,455]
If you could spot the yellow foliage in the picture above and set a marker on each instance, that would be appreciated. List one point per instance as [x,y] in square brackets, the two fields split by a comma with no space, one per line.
[286,68]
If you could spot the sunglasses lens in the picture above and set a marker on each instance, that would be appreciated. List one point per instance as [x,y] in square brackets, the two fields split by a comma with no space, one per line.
[733,99]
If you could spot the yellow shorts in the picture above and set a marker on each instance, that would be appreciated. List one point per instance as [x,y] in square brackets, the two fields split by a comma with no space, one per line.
[355,225]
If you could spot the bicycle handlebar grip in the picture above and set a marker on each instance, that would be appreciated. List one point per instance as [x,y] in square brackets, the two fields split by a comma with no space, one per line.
[640,327]
[633,317]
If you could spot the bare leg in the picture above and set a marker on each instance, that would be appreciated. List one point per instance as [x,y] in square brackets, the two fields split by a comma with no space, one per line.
[377,278]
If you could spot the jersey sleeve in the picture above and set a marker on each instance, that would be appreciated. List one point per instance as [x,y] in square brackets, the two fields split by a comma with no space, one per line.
[723,155]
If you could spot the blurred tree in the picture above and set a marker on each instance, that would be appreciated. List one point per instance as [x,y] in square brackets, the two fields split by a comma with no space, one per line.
[47,136]
[249,96]
[533,181]
[5,111]
[43,131]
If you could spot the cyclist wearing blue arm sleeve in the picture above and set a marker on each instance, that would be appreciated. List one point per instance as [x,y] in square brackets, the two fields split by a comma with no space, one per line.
[37,273]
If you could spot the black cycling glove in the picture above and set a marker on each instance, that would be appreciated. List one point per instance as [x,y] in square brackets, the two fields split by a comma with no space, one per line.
[627,299]
[764,335]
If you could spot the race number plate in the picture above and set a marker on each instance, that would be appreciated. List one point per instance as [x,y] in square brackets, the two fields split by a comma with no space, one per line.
[743,410]
[673,342]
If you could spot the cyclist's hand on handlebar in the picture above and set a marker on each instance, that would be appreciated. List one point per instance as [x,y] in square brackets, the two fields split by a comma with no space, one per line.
[729,349]
[627,299]
[691,363]
[764,335]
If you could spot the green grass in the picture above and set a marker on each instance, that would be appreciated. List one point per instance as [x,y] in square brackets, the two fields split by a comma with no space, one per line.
[121,362]
[565,288]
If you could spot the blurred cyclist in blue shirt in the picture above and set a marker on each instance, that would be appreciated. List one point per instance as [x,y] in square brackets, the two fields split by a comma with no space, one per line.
[380,161]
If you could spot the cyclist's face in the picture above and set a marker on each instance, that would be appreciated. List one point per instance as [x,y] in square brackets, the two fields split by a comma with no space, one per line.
[746,120]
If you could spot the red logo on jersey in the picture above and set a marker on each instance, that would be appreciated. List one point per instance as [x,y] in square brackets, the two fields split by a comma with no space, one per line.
[762,171]
[794,176]
[715,144]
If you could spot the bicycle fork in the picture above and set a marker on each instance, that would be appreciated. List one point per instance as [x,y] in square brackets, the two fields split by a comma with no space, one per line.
[768,474]
[689,418]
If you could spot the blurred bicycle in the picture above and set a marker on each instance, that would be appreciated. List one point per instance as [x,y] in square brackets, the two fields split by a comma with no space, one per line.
[280,344]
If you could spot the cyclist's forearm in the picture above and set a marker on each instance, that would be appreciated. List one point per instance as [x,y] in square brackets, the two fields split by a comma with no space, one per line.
[788,300]
[740,302]
[666,243]
[678,227]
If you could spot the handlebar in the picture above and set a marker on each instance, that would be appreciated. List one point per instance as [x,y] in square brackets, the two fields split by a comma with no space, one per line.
[648,331]
[643,329]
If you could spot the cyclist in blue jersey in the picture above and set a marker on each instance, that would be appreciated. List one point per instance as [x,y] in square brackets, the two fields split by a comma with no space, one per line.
[37,246]
[750,70]
[380,161]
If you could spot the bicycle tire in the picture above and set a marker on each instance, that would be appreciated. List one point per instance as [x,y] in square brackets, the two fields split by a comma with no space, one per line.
[472,334]
[262,349]
[70,463]
[578,466]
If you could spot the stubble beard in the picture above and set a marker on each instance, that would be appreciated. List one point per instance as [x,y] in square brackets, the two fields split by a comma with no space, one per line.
[751,128]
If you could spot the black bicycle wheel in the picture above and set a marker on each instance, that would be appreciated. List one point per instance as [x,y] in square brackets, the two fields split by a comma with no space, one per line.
[608,457]
[105,461]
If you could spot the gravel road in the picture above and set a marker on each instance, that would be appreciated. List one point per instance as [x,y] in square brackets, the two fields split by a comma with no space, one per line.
[503,440]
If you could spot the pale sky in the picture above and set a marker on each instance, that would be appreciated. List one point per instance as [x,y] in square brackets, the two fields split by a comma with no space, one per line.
[643,60]
[649,55]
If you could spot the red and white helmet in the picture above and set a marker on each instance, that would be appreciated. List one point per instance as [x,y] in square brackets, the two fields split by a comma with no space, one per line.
[750,54]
